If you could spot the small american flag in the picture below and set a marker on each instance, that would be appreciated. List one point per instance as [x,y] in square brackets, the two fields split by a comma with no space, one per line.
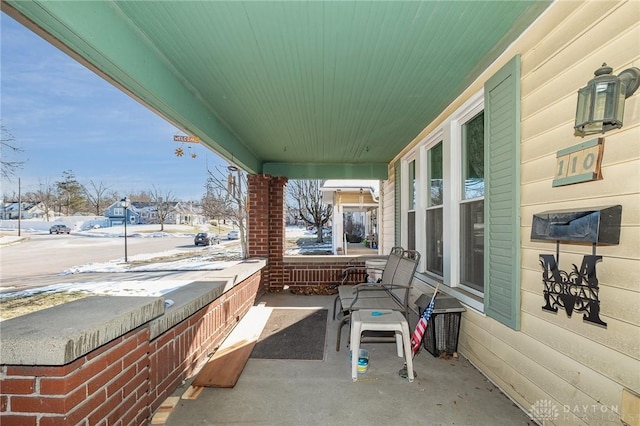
[421,326]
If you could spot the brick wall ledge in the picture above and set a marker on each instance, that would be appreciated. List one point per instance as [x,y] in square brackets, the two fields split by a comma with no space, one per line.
[239,272]
[330,258]
[190,298]
[59,335]
[64,333]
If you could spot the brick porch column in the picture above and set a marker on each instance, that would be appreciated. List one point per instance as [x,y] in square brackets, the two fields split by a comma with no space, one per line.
[266,226]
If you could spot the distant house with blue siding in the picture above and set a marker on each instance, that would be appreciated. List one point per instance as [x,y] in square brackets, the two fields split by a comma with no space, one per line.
[142,212]
[115,214]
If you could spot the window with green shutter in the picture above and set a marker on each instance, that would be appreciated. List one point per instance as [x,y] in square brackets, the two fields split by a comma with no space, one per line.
[470,166]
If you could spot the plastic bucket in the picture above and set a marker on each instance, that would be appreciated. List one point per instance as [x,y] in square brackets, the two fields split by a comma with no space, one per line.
[363,360]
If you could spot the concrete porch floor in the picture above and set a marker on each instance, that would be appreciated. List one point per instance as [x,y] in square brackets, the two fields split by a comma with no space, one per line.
[280,392]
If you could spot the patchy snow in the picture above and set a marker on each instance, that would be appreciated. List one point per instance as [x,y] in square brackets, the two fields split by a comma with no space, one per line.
[110,288]
[202,262]
[312,248]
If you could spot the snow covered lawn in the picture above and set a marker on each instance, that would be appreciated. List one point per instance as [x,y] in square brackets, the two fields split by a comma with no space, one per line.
[218,257]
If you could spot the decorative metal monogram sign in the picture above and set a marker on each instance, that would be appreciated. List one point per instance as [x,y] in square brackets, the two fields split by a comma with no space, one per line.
[575,291]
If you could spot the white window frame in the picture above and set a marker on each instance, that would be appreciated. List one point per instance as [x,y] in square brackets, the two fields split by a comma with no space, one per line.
[429,142]
[465,114]
[404,170]
[450,133]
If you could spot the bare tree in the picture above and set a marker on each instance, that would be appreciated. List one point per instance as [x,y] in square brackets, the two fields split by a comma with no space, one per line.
[307,197]
[8,144]
[45,195]
[12,196]
[97,196]
[142,196]
[163,202]
[213,204]
[232,183]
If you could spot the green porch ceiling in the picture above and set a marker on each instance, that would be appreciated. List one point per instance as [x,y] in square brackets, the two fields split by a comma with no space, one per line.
[331,89]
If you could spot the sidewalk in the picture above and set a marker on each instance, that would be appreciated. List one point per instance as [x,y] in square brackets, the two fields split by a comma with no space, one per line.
[6,240]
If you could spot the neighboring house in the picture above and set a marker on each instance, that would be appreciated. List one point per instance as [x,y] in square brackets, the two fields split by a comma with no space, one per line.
[115,214]
[358,198]
[186,213]
[26,210]
[146,211]
[180,213]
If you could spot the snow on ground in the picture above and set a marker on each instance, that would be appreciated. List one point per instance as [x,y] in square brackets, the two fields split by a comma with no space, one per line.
[201,262]
[92,226]
[106,288]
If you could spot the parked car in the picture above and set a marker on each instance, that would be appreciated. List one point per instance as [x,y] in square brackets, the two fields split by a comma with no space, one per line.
[59,229]
[233,235]
[206,239]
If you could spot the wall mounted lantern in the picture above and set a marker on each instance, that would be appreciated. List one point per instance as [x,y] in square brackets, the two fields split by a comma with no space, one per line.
[601,101]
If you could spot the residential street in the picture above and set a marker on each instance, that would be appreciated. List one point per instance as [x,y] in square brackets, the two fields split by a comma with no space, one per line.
[41,260]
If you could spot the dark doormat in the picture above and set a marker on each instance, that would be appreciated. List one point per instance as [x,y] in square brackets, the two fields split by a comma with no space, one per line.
[293,334]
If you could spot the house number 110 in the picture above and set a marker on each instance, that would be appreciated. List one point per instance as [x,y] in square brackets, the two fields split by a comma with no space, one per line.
[588,162]
[580,163]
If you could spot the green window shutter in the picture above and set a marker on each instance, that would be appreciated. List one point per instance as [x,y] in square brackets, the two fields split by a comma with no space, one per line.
[502,195]
[397,187]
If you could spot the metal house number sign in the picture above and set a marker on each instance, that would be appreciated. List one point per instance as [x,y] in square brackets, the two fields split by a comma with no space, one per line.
[579,163]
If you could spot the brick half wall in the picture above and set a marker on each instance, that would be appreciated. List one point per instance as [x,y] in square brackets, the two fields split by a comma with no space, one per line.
[179,352]
[312,271]
[125,380]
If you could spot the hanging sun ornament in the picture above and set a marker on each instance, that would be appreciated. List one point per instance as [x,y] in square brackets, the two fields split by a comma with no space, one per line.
[185,139]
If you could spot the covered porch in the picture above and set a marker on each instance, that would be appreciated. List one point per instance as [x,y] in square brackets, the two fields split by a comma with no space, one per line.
[384,91]
[271,391]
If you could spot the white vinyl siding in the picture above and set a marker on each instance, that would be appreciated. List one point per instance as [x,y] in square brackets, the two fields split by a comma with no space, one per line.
[544,356]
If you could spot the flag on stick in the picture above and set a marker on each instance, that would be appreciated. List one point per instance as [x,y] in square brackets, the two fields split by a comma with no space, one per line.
[423,322]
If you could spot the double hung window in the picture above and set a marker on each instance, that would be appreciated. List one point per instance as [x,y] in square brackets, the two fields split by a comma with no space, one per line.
[472,204]
[411,214]
[449,185]
[463,199]
[434,213]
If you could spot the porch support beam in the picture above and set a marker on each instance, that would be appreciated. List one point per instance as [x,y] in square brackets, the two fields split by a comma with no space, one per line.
[266,227]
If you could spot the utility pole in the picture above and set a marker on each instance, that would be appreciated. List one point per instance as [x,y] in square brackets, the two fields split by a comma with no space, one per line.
[19,208]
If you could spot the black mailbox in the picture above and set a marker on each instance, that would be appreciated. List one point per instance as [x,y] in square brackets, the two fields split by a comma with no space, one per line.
[599,225]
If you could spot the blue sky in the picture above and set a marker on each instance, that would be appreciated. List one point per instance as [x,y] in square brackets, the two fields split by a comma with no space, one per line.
[65,117]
